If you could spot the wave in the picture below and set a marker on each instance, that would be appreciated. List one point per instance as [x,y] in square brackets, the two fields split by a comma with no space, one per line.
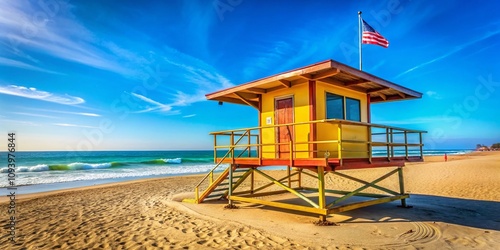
[164,161]
[88,166]
[63,167]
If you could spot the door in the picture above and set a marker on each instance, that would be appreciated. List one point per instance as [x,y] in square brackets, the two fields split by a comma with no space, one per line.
[284,134]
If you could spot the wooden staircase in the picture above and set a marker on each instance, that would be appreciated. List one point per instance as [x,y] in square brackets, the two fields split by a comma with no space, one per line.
[218,191]
[219,188]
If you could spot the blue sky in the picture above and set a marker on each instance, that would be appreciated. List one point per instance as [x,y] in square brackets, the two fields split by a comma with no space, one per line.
[113,75]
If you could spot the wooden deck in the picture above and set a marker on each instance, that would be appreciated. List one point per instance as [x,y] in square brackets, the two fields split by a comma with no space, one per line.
[330,164]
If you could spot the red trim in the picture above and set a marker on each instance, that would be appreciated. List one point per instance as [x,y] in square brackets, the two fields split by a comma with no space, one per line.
[260,110]
[260,125]
[369,116]
[312,116]
[331,164]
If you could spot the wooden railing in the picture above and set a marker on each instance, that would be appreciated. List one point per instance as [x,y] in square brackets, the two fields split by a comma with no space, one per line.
[247,143]
[380,141]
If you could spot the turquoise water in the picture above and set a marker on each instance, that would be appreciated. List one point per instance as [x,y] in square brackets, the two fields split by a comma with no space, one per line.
[42,171]
[55,167]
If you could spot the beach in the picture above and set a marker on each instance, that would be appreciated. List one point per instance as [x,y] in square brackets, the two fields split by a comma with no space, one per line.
[455,206]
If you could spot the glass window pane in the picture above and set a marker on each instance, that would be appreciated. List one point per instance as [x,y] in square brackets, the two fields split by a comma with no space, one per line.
[352,111]
[334,106]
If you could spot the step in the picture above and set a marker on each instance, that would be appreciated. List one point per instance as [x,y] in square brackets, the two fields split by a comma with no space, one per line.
[220,189]
[214,196]
[240,170]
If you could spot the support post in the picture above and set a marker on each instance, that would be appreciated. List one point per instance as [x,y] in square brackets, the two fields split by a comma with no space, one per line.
[402,186]
[252,179]
[230,191]
[321,191]
[299,177]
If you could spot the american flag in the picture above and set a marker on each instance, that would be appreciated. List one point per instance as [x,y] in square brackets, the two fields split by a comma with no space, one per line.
[371,36]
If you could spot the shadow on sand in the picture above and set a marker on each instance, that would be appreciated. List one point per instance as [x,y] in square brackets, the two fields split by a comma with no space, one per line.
[466,212]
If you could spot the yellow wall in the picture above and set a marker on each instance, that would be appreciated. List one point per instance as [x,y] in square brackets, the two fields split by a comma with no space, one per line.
[300,95]
[327,131]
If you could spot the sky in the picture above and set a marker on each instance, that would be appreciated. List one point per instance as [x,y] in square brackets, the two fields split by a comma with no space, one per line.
[132,75]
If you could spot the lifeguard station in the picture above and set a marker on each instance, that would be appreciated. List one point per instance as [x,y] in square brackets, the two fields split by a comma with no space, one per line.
[315,121]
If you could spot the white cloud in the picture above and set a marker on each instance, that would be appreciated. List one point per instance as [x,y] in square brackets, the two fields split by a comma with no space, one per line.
[72,125]
[451,52]
[434,95]
[33,93]
[60,36]
[21,122]
[153,105]
[415,120]
[188,116]
[18,64]
[35,115]
[65,37]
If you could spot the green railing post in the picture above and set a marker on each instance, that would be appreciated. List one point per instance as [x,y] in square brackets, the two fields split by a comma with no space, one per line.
[232,147]
[387,140]
[421,146]
[392,141]
[215,148]
[370,147]
[406,144]
[249,143]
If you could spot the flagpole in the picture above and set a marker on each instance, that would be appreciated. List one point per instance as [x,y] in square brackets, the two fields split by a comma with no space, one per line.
[360,38]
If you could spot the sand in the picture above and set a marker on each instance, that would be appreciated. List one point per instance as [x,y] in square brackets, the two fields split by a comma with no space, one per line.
[456,205]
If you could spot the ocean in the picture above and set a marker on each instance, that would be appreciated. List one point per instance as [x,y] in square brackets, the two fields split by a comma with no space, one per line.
[45,171]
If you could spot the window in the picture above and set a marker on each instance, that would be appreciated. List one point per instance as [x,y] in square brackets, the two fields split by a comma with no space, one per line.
[341,107]
[334,106]
[352,109]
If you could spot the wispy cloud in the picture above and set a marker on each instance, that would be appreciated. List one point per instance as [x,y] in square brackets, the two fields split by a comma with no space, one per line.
[434,95]
[415,120]
[66,37]
[188,116]
[61,36]
[18,64]
[72,125]
[451,52]
[34,115]
[33,93]
[152,105]
[64,112]
[21,122]
[192,77]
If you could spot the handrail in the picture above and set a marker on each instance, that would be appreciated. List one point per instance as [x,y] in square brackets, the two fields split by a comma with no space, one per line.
[388,137]
[213,169]
[320,121]
[392,140]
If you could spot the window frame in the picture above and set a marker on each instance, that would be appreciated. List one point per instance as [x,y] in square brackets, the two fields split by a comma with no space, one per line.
[344,106]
